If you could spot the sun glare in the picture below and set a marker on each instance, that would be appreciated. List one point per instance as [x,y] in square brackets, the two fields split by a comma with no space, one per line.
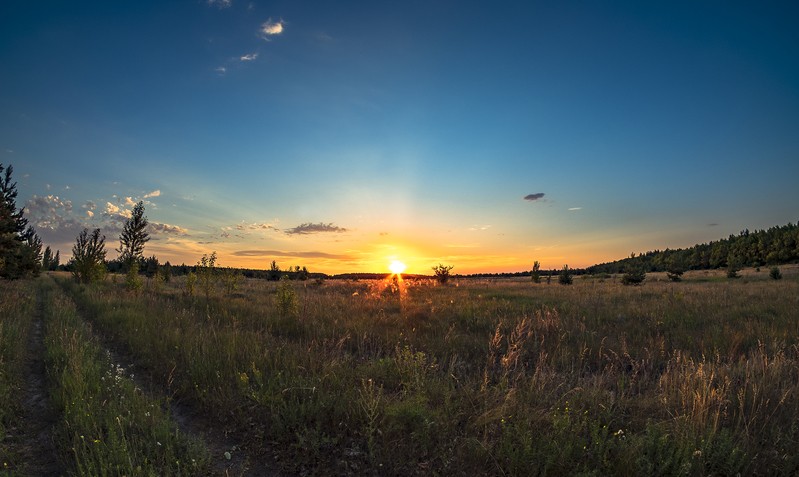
[397,267]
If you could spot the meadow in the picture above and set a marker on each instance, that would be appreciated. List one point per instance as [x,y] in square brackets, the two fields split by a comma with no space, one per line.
[371,377]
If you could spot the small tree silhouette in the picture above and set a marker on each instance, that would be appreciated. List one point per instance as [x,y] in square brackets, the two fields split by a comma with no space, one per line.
[536,273]
[565,277]
[442,272]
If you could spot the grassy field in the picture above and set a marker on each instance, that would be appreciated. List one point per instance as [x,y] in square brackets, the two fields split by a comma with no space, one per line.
[495,377]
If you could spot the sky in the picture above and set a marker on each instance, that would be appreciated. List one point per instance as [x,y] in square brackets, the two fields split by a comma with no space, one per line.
[344,135]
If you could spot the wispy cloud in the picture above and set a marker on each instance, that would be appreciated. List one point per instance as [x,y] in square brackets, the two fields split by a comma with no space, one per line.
[309,228]
[249,57]
[480,227]
[154,193]
[575,208]
[256,226]
[282,253]
[221,70]
[221,4]
[270,28]
[534,197]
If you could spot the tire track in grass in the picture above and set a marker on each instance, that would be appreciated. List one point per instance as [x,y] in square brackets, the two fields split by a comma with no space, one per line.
[35,439]
[228,458]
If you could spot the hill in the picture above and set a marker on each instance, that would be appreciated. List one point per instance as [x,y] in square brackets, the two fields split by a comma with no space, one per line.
[774,246]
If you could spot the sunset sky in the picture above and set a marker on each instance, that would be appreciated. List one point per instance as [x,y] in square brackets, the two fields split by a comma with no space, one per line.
[344,135]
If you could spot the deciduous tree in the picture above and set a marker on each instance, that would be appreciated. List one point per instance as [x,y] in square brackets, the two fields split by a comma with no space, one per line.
[88,257]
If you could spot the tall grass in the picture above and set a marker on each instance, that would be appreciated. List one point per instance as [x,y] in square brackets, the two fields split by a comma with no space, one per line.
[108,426]
[479,376]
[17,307]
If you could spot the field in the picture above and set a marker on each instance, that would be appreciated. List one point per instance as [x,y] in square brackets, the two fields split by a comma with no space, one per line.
[475,377]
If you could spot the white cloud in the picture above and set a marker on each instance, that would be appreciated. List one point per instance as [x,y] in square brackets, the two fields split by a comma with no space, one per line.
[575,208]
[270,28]
[154,193]
[111,209]
[221,70]
[89,214]
[249,57]
[129,201]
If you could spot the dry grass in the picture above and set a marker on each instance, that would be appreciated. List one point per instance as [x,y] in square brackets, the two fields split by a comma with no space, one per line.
[483,376]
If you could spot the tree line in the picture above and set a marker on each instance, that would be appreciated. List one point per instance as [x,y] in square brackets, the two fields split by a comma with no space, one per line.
[774,246]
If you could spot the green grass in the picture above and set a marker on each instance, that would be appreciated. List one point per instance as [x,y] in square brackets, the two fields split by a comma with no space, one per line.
[482,376]
[108,426]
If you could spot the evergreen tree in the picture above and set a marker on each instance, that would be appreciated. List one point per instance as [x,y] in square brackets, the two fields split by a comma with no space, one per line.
[20,247]
[133,236]
[565,277]
[56,260]
[47,258]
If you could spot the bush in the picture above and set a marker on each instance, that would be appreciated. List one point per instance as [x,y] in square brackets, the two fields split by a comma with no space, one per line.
[88,257]
[286,299]
[132,280]
[775,273]
[633,276]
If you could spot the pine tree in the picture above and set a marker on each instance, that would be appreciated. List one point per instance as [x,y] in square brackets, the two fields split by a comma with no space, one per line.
[133,236]
[20,247]
[47,258]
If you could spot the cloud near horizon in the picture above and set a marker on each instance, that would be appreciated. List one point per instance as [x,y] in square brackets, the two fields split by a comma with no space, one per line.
[281,253]
[309,228]
[534,197]
[154,193]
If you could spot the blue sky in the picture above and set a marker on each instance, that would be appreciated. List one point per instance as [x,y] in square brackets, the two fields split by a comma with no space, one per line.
[343,135]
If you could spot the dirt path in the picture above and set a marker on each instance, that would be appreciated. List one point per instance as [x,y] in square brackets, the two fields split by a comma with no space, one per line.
[34,437]
[228,457]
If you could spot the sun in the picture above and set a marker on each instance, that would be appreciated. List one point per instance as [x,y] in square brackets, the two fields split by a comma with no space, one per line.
[397,267]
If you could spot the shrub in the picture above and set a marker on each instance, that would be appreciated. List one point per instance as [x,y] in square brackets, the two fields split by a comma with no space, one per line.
[633,276]
[286,299]
[88,257]
[132,280]
[775,273]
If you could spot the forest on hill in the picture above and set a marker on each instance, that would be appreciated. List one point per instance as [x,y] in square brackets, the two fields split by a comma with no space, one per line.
[777,245]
